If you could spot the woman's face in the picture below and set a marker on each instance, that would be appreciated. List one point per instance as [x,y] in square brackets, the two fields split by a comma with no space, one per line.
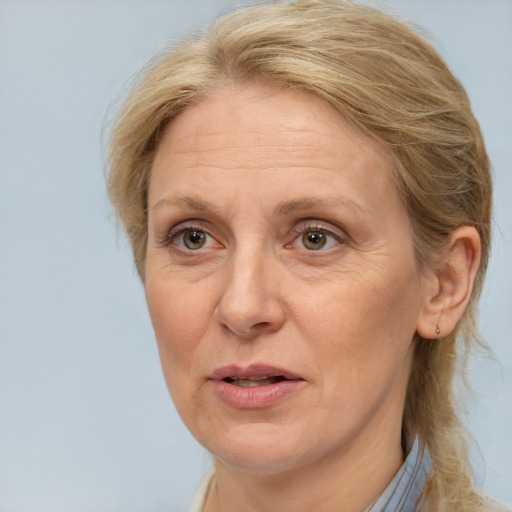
[281,281]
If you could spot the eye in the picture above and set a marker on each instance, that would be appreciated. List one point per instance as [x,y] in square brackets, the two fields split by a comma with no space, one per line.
[314,240]
[316,237]
[192,239]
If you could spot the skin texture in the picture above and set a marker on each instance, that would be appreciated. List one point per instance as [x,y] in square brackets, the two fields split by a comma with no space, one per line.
[253,169]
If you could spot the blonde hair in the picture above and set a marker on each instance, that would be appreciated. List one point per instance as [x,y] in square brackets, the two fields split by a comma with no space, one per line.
[390,82]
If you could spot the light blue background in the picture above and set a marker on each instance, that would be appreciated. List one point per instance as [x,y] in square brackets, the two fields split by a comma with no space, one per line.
[85,421]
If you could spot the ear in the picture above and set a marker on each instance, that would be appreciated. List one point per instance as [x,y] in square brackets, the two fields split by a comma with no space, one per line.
[451,286]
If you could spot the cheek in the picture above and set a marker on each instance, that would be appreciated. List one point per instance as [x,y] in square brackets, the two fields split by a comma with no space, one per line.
[179,319]
[362,334]
[363,323]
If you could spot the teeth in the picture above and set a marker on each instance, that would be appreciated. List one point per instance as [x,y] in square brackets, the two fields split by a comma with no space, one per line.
[255,381]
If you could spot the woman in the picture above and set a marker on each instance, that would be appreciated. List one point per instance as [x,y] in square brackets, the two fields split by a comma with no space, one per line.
[308,199]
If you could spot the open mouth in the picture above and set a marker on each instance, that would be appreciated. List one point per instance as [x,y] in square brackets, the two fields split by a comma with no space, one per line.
[254,381]
[255,386]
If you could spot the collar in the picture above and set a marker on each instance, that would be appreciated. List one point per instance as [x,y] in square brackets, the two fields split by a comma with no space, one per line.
[405,491]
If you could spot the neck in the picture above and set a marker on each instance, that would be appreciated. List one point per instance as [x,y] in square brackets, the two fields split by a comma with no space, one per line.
[350,482]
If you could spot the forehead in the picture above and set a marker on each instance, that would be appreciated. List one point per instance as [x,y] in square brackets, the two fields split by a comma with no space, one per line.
[256,116]
[284,135]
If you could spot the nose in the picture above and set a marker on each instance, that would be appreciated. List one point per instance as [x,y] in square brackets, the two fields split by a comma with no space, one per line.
[250,304]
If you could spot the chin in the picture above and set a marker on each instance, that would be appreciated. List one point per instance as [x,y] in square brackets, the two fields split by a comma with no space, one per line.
[260,448]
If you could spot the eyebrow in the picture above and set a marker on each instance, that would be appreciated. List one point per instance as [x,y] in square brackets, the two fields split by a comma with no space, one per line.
[309,203]
[187,203]
[284,208]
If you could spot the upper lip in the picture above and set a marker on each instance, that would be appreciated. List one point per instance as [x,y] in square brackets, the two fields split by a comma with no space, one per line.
[254,370]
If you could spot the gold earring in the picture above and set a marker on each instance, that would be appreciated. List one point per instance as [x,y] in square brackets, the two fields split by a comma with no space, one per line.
[438,331]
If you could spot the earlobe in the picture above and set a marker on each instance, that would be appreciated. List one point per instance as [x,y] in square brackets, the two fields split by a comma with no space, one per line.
[451,286]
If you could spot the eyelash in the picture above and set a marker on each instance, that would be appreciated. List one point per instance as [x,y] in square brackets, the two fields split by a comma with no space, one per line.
[176,232]
[297,232]
[316,227]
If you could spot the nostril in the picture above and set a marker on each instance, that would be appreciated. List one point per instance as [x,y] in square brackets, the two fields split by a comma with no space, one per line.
[248,320]
[260,325]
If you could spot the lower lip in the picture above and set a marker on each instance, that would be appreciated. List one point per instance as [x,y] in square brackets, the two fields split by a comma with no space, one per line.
[257,397]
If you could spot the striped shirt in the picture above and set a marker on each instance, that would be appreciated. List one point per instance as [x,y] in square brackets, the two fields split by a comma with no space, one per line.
[404,493]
